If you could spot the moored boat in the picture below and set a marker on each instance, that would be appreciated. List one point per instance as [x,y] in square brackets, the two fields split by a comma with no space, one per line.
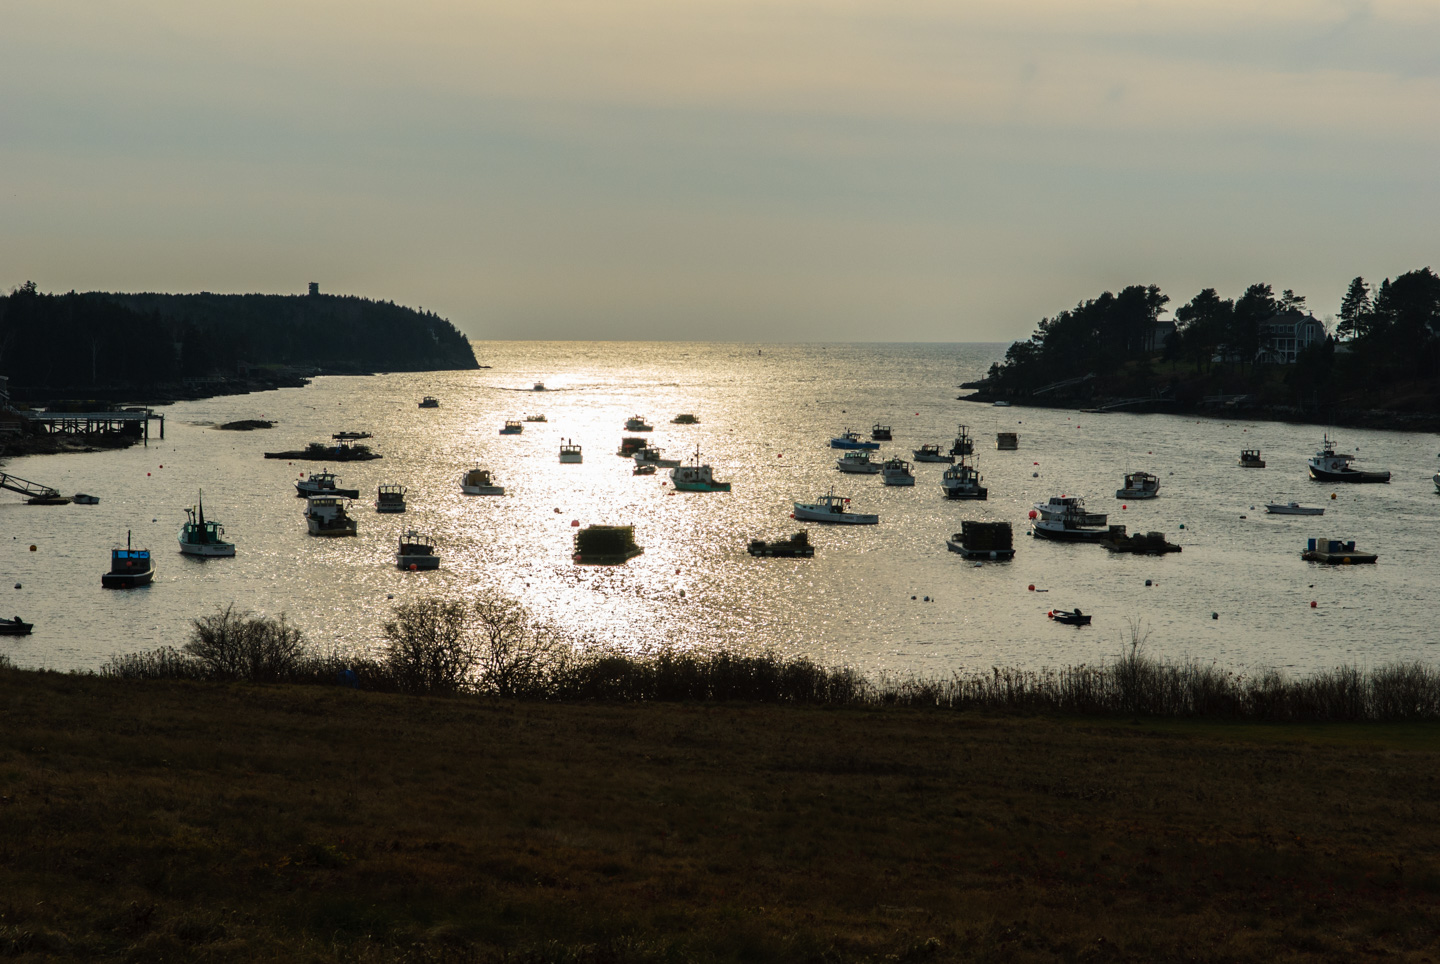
[880,433]
[15,627]
[203,537]
[390,498]
[896,471]
[325,515]
[685,418]
[416,553]
[1327,465]
[630,445]
[832,508]
[983,540]
[430,401]
[852,440]
[1336,552]
[1070,617]
[570,453]
[963,444]
[795,547]
[512,427]
[1065,519]
[129,568]
[323,483]
[539,387]
[1138,485]
[857,463]
[477,481]
[695,477]
[1293,508]
[637,423]
[80,498]
[931,453]
[650,455]
[1250,459]
[962,481]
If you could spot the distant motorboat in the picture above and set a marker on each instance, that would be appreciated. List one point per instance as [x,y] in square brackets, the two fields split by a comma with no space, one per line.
[637,423]
[1293,508]
[570,453]
[539,417]
[478,482]
[880,433]
[415,552]
[15,627]
[539,387]
[203,537]
[696,477]
[323,483]
[857,463]
[512,427]
[896,471]
[80,498]
[932,453]
[963,482]
[390,498]
[832,508]
[963,444]
[325,515]
[851,440]
[650,455]
[1250,459]
[1327,465]
[129,568]
[430,401]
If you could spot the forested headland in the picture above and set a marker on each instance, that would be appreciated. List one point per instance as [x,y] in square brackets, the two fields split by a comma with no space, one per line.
[156,346]
[1378,359]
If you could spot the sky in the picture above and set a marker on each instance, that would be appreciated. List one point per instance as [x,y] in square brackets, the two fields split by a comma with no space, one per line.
[845,170]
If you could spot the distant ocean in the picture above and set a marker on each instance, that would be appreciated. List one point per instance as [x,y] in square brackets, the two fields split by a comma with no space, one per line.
[766,415]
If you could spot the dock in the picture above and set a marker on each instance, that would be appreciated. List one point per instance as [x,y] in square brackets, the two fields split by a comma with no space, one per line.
[127,422]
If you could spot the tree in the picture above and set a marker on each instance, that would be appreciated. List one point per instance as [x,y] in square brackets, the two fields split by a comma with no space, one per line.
[1254,307]
[514,650]
[426,649]
[1202,324]
[1355,310]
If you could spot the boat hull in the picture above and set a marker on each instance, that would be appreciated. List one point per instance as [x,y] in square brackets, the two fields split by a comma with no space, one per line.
[1352,475]
[929,457]
[571,459]
[1058,534]
[1339,558]
[898,480]
[864,468]
[347,528]
[417,563]
[1294,510]
[212,550]
[483,489]
[127,580]
[980,494]
[301,489]
[1136,494]
[955,545]
[845,443]
[389,507]
[702,486]
[10,627]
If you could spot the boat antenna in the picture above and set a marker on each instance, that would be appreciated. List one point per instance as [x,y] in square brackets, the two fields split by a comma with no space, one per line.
[127,540]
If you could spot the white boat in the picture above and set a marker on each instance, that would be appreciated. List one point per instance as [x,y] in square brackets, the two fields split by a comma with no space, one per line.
[1001,404]
[1065,519]
[637,423]
[202,537]
[1138,485]
[415,553]
[512,427]
[832,508]
[1059,506]
[1293,508]
[858,463]
[390,498]
[695,477]
[323,483]
[963,482]
[932,453]
[80,498]
[570,453]
[650,455]
[478,482]
[896,472]
[325,516]
[1327,465]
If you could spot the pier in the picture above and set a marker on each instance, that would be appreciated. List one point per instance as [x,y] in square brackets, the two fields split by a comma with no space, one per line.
[130,422]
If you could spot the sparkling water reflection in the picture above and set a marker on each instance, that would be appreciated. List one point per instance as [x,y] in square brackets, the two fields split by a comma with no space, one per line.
[766,413]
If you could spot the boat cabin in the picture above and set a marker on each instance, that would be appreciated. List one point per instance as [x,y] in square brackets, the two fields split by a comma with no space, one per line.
[1250,459]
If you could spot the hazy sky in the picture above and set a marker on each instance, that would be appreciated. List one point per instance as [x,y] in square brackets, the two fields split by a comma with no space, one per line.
[867,170]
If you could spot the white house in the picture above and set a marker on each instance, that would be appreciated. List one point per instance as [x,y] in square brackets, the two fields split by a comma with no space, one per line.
[1284,336]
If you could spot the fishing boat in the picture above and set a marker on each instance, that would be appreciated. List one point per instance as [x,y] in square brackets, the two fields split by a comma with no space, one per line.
[570,453]
[857,463]
[1141,544]
[390,498]
[852,440]
[538,387]
[629,446]
[325,515]
[430,401]
[1293,508]
[1067,520]
[983,540]
[695,477]
[645,469]
[650,455]
[539,417]
[1250,459]
[896,471]
[1336,552]
[963,444]
[512,427]
[605,545]
[1327,465]
[795,547]
[832,508]
[932,453]
[1138,485]
[323,483]
[15,627]
[129,568]
[962,481]
[637,423]
[1007,441]
[203,537]
[80,498]
[478,482]
[880,433]
[1070,617]
[685,418]
[415,553]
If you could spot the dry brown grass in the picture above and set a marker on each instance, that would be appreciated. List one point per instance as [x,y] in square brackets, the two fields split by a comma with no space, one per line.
[178,821]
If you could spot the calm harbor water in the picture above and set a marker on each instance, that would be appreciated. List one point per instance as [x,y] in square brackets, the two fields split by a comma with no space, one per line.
[767,413]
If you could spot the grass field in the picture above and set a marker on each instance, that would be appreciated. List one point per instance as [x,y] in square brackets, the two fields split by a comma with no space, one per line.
[159,821]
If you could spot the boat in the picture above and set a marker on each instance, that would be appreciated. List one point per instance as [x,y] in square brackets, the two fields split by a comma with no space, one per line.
[390,498]
[1067,520]
[1141,544]
[1436,479]
[1327,465]
[1007,441]
[605,545]
[540,417]
[1138,485]
[851,440]
[1001,404]
[15,627]
[325,516]
[962,481]
[637,423]
[896,471]
[644,469]
[80,498]
[832,508]
[1293,508]
[685,418]
[323,483]
[650,455]
[1335,552]
[538,387]
[416,553]
[512,427]
[430,401]
[49,497]
[932,453]
[629,446]
[880,433]
[963,444]
[129,568]
[1250,459]
[570,453]
[695,477]
[795,547]
[1070,617]
[858,463]
[983,540]
[351,436]
[203,537]
[478,482]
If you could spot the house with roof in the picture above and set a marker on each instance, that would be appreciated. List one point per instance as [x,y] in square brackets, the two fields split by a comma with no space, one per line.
[1284,336]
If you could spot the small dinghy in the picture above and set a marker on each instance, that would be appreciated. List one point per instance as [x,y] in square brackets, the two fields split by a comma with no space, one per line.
[1070,617]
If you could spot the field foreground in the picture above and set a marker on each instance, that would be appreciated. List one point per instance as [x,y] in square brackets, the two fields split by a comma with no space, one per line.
[155,821]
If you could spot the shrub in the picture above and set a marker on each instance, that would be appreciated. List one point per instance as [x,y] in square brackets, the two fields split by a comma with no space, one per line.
[244,646]
[167,662]
[515,653]
[426,649]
